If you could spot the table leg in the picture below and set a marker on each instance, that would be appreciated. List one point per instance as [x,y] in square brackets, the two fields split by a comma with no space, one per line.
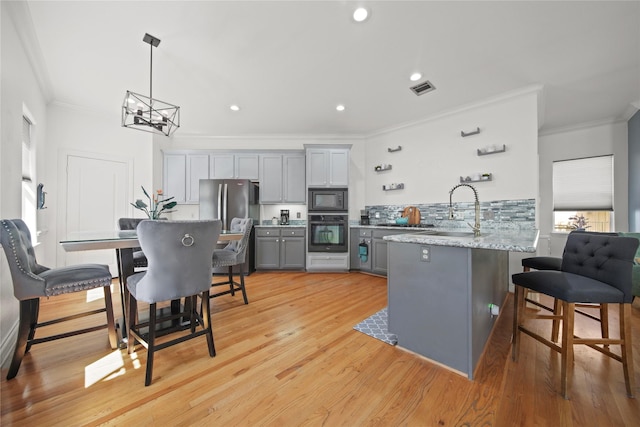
[124,258]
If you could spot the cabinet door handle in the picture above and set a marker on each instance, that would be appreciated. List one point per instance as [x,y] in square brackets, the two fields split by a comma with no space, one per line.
[283,240]
[277,240]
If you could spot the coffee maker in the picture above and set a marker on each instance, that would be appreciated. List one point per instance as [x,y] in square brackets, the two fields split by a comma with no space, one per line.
[284,216]
[364,217]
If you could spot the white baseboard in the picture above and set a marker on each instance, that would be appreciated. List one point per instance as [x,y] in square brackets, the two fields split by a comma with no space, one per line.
[8,344]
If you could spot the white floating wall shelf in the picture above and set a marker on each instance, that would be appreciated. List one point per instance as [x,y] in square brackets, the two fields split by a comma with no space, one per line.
[492,150]
[482,178]
[392,187]
[473,132]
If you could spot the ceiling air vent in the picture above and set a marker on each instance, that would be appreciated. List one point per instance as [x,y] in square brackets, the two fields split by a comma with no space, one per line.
[422,88]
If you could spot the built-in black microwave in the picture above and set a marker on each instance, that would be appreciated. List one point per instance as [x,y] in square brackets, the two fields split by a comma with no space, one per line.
[328,200]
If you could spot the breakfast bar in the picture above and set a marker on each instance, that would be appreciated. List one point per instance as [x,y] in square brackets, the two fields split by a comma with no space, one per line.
[445,288]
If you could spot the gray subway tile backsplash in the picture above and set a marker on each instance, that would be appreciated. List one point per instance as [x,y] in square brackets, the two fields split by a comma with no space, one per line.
[520,214]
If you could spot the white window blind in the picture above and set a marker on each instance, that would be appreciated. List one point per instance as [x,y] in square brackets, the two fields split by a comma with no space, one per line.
[583,184]
[26,150]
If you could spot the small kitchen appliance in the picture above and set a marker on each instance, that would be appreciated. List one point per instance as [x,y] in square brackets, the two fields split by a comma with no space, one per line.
[284,216]
[364,217]
[328,200]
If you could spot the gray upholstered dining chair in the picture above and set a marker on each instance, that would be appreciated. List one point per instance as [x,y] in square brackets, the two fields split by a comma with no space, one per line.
[32,281]
[179,255]
[139,258]
[596,268]
[234,254]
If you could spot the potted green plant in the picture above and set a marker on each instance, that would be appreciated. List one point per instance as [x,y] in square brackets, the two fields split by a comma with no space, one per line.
[157,204]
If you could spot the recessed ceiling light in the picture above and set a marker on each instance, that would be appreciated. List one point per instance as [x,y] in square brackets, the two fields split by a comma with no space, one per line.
[415,77]
[340,107]
[234,108]
[360,14]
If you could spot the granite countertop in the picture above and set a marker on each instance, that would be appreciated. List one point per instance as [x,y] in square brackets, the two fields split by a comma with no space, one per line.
[496,239]
[274,226]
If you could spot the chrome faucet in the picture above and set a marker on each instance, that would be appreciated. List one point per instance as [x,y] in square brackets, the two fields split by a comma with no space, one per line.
[476,226]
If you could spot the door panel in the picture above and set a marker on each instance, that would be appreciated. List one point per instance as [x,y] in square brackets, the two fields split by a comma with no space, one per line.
[96,196]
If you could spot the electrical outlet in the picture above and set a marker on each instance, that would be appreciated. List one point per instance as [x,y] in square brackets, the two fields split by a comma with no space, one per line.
[298,215]
[377,214]
[425,254]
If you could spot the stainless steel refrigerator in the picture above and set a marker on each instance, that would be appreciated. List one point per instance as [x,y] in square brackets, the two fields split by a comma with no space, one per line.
[226,199]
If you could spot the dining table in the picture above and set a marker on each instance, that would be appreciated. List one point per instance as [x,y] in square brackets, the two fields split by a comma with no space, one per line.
[124,242]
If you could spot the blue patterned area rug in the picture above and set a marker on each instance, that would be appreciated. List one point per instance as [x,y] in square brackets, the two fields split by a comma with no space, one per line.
[376,327]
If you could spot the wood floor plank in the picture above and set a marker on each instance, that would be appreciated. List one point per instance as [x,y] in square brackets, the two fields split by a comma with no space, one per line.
[292,357]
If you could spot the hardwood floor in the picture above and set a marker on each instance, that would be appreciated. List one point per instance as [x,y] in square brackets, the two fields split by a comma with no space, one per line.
[291,357]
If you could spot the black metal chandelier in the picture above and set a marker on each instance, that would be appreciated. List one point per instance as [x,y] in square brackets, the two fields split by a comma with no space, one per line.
[145,113]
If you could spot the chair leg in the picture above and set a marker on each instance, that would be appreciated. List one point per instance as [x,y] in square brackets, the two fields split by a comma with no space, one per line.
[132,305]
[518,307]
[111,323]
[604,321]
[192,307]
[151,343]
[626,347]
[555,326]
[244,291]
[206,322]
[568,312]
[24,330]
[35,312]
[233,291]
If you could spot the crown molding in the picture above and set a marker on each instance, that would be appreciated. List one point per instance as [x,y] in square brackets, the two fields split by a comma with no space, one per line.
[581,126]
[537,89]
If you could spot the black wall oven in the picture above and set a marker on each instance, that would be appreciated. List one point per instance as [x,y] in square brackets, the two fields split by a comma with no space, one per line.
[328,233]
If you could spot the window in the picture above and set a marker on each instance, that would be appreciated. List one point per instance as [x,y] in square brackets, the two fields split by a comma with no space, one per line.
[583,194]
[28,177]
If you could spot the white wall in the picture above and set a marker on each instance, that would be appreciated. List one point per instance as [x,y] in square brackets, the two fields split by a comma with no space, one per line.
[18,89]
[434,155]
[589,141]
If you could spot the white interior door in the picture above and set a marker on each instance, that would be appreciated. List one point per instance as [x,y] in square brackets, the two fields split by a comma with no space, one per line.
[96,196]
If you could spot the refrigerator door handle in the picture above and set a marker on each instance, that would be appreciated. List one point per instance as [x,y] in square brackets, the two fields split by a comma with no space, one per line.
[219,201]
[224,207]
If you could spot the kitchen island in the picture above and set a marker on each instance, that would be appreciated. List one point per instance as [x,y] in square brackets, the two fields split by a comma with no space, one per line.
[441,288]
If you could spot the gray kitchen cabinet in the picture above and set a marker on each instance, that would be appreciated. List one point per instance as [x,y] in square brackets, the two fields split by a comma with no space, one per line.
[376,261]
[379,256]
[328,167]
[197,169]
[280,248]
[282,178]
[234,166]
[358,236]
[174,176]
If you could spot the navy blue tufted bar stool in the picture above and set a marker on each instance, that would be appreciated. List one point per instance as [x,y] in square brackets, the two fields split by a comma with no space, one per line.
[596,268]
[555,264]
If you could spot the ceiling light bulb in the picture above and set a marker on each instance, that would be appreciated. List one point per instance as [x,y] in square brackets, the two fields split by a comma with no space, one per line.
[340,107]
[415,77]
[360,14]
[234,108]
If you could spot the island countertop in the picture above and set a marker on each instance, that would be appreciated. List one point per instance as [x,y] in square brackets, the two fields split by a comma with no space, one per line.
[496,239]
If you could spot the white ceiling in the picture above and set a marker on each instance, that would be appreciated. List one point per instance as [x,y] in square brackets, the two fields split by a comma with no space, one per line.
[289,63]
